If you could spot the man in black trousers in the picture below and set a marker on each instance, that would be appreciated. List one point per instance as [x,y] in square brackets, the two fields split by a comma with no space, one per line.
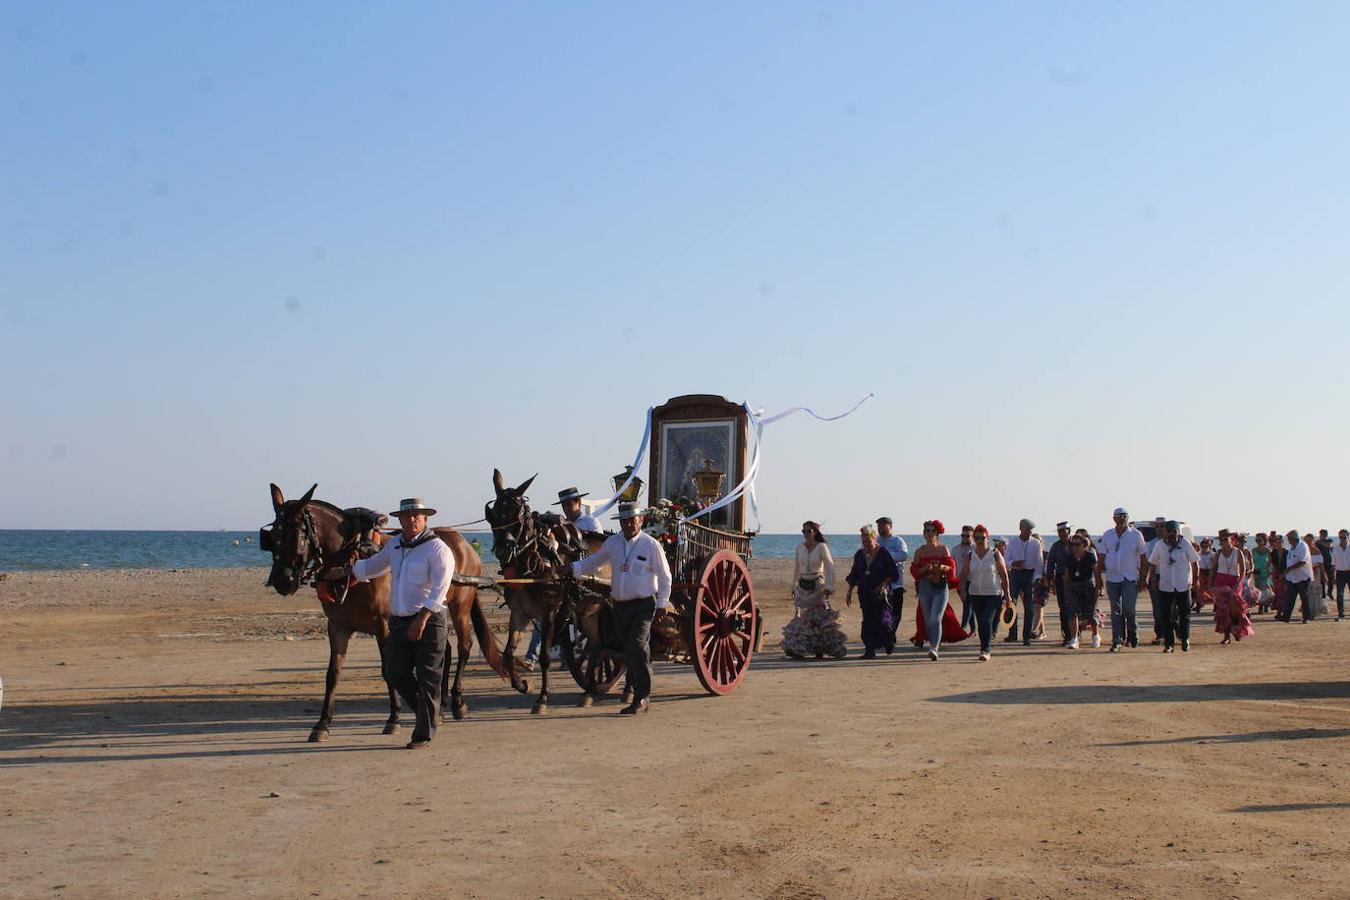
[414,653]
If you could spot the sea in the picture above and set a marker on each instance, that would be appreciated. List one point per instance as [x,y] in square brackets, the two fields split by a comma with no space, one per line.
[41,551]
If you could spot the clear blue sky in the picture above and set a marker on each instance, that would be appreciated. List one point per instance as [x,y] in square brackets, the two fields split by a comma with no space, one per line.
[1084,253]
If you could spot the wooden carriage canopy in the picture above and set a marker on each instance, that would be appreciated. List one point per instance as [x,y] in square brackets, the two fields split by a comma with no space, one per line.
[688,430]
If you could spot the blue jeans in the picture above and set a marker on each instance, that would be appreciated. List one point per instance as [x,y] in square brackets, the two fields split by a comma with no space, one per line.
[986,611]
[933,603]
[1124,599]
[1021,581]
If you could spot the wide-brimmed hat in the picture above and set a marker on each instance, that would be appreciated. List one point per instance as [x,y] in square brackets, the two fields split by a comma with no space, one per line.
[630,511]
[569,494]
[413,505]
[1009,614]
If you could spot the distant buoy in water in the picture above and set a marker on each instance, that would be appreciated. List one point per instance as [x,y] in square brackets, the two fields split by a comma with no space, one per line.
[248,540]
[234,543]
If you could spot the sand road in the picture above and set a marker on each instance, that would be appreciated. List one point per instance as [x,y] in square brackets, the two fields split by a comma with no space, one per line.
[152,743]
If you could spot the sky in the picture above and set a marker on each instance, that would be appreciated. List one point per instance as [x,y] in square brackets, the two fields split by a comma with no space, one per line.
[1084,254]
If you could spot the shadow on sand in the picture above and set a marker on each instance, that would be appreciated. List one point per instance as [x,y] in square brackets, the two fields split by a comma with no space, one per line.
[1294,734]
[1079,695]
[252,719]
[1290,807]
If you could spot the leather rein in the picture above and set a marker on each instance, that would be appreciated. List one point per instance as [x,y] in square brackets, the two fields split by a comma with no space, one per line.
[319,561]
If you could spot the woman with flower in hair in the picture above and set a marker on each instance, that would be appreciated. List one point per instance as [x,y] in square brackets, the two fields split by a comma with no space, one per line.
[934,570]
[814,630]
[871,576]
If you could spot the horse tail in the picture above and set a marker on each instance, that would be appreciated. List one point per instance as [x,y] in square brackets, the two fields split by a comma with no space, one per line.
[486,641]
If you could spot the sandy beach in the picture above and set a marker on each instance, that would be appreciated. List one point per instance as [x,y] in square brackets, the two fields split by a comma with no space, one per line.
[152,742]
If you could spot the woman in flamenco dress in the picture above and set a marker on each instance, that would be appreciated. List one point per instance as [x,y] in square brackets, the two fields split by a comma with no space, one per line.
[814,631]
[1227,580]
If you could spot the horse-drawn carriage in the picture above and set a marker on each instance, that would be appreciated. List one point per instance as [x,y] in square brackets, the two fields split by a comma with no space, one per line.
[713,622]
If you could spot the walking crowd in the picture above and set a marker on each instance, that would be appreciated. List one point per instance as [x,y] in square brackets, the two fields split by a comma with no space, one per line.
[992,578]
[1010,581]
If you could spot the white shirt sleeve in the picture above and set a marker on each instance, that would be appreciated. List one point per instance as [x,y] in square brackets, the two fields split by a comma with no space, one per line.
[662,576]
[377,565]
[829,568]
[587,565]
[440,569]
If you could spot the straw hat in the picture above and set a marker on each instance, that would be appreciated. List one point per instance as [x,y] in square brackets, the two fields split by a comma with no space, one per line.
[630,511]
[413,505]
[569,494]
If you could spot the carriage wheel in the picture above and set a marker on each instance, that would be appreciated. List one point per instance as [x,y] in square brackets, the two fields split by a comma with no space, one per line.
[578,662]
[724,620]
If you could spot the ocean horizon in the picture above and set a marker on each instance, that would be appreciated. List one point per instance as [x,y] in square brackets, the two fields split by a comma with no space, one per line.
[47,550]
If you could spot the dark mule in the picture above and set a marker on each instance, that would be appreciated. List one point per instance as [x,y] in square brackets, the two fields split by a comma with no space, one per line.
[309,536]
[531,546]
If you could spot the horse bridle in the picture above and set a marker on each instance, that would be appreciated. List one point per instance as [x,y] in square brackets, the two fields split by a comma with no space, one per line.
[310,566]
[524,540]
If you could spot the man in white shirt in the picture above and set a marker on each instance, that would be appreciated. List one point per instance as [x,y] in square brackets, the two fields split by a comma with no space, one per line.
[1155,601]
[1025,557]
[414,652]
[570,501]
[1177,566]
[640,586]
[1123,555]
[1298,574]
[895,545]
[1340,559]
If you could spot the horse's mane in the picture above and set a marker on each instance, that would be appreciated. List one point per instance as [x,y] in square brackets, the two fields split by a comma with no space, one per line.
[328,506]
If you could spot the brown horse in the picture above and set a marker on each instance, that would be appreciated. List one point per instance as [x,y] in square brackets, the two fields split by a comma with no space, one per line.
[308,536]
[533,546]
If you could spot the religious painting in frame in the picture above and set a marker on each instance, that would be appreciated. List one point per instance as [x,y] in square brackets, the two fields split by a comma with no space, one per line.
[684,448]
[688,429]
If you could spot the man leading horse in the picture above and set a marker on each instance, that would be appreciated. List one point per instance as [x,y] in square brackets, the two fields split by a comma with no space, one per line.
[421,566]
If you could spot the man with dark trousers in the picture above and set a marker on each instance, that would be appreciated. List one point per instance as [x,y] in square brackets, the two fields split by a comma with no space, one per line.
[640,586]
[1057,558]
[1176,566]
[414,652]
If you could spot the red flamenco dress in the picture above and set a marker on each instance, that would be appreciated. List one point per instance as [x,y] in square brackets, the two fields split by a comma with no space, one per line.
[952,632]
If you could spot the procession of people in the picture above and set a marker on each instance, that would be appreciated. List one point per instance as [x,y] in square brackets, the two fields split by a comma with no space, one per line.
[1181,577]
[1010,579]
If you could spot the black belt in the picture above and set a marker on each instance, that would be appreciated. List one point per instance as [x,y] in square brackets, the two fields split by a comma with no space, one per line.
[635,599]
[436,612]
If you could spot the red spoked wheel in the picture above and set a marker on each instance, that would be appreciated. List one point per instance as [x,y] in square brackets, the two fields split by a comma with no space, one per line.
[608,670]
[724,620]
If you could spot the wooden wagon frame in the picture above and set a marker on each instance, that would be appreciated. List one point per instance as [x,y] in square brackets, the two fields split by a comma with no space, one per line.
[714,622]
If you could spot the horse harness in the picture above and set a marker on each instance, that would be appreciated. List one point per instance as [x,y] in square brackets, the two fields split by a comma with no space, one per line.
[352,548]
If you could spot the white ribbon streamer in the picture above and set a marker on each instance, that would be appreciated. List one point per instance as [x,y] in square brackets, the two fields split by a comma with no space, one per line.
[747,485]
[806,409]
[637,461]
